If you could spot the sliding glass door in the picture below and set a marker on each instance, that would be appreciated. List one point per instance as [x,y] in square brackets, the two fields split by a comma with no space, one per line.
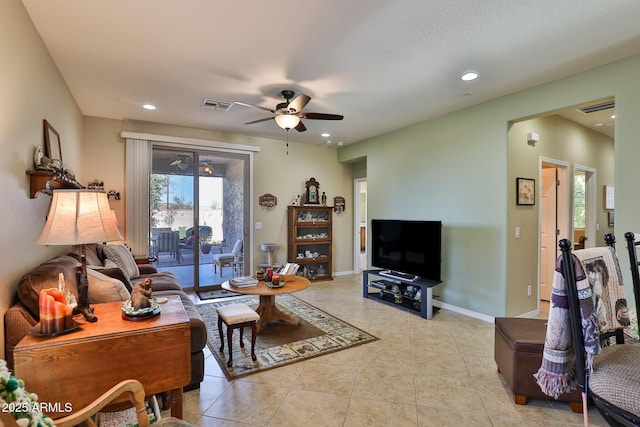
[198,212]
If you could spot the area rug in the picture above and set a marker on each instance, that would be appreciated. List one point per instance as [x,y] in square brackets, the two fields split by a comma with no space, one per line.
[215,294]
[279,344]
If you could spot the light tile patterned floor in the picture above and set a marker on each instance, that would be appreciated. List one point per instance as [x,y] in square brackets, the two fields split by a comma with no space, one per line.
[421,373]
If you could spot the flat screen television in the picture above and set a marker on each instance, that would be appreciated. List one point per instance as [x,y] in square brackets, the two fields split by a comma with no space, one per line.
[405,246]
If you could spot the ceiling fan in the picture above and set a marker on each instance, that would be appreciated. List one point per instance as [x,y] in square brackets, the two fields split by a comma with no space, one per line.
[288,114]
[182,162]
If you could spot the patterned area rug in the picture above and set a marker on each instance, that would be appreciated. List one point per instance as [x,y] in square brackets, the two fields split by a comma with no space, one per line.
[280,344]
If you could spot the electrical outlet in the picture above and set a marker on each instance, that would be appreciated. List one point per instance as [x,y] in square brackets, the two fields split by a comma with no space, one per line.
[517,232]
[529,290]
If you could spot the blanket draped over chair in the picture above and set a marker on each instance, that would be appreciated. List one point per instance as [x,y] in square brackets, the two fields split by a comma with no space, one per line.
[602,309]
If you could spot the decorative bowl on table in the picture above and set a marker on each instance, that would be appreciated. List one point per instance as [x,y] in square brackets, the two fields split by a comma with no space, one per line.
[274,285]
[129,313]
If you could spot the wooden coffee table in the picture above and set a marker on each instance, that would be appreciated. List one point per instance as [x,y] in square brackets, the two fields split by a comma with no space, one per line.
[267,308]
[69,371]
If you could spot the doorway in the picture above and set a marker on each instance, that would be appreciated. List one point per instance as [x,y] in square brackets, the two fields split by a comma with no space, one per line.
[360,225]
[554,219]
[584,207]
[198,208]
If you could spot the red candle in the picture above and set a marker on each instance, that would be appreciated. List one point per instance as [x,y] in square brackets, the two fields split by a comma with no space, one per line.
[53,311]
[68,317]
[47,325]
[59,316]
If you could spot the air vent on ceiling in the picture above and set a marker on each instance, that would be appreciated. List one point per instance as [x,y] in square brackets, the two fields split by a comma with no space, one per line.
[597,107]
[217,105]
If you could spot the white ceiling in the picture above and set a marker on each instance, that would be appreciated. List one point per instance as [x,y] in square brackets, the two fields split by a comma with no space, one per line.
[382,64]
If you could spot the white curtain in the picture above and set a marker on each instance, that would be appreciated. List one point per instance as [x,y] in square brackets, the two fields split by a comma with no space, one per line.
[138,166]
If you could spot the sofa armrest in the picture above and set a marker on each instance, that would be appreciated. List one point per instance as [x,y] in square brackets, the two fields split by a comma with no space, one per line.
[147,269]
[17,321]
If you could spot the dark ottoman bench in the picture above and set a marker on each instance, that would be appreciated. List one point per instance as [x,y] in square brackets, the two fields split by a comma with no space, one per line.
[519,343]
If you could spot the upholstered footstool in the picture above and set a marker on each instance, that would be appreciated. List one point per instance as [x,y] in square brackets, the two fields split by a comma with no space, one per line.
[519,343]
[237,316]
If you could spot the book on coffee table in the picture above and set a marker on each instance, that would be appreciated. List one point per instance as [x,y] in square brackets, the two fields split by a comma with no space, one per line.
[244,281]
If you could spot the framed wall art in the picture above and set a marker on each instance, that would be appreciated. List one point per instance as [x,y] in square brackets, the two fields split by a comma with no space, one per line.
[525,191]
[609,197]
[52,142]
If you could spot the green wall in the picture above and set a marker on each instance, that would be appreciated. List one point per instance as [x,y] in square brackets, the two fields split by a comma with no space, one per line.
[455,168]
[561,140]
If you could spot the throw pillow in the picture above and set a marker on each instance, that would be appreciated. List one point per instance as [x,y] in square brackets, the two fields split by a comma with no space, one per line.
[103,288]
[112,270]
[121,255]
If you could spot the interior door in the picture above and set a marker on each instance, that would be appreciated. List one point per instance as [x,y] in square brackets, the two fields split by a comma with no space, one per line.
[548,229]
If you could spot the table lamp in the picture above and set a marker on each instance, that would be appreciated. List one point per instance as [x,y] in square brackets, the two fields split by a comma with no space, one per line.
[79,217]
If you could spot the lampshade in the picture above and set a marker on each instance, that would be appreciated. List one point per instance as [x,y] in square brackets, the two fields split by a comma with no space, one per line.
[78,217]
[287,121]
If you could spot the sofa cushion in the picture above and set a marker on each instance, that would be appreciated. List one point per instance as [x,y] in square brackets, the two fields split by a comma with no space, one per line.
[121,255]
[93,253]
[103,288]
[162,281]
[45,276]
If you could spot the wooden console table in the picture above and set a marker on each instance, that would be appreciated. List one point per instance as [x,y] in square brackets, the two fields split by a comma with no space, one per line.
[70,371]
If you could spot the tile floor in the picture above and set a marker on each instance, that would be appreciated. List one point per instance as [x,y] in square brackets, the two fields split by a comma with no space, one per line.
[420,373]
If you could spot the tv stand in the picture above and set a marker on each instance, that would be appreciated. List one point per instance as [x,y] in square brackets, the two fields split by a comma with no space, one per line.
[398,275]
[400,291]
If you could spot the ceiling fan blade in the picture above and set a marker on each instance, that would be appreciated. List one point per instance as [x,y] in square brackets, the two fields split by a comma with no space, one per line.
[301,127]
[244,104]
[321,116]
[298,103]
[259,120]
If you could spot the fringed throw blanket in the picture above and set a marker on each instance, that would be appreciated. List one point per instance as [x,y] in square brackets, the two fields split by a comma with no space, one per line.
[557,374]
[604,275]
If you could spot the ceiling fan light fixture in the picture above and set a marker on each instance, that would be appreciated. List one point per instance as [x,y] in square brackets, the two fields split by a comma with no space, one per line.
[287,121]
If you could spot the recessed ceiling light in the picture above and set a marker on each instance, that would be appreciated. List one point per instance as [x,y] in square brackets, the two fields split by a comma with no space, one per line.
[325,135]
[341,143]
[598,124]
[149,107]
[328,141]
[468,76]
[613,116]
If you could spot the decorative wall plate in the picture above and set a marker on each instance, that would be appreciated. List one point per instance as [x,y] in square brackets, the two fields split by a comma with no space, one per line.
[268,201]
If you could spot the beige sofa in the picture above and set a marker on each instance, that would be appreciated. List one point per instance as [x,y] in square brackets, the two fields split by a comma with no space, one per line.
[24,314]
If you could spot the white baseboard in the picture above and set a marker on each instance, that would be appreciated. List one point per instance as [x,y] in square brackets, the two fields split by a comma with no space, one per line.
[343,273]
[464,311]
